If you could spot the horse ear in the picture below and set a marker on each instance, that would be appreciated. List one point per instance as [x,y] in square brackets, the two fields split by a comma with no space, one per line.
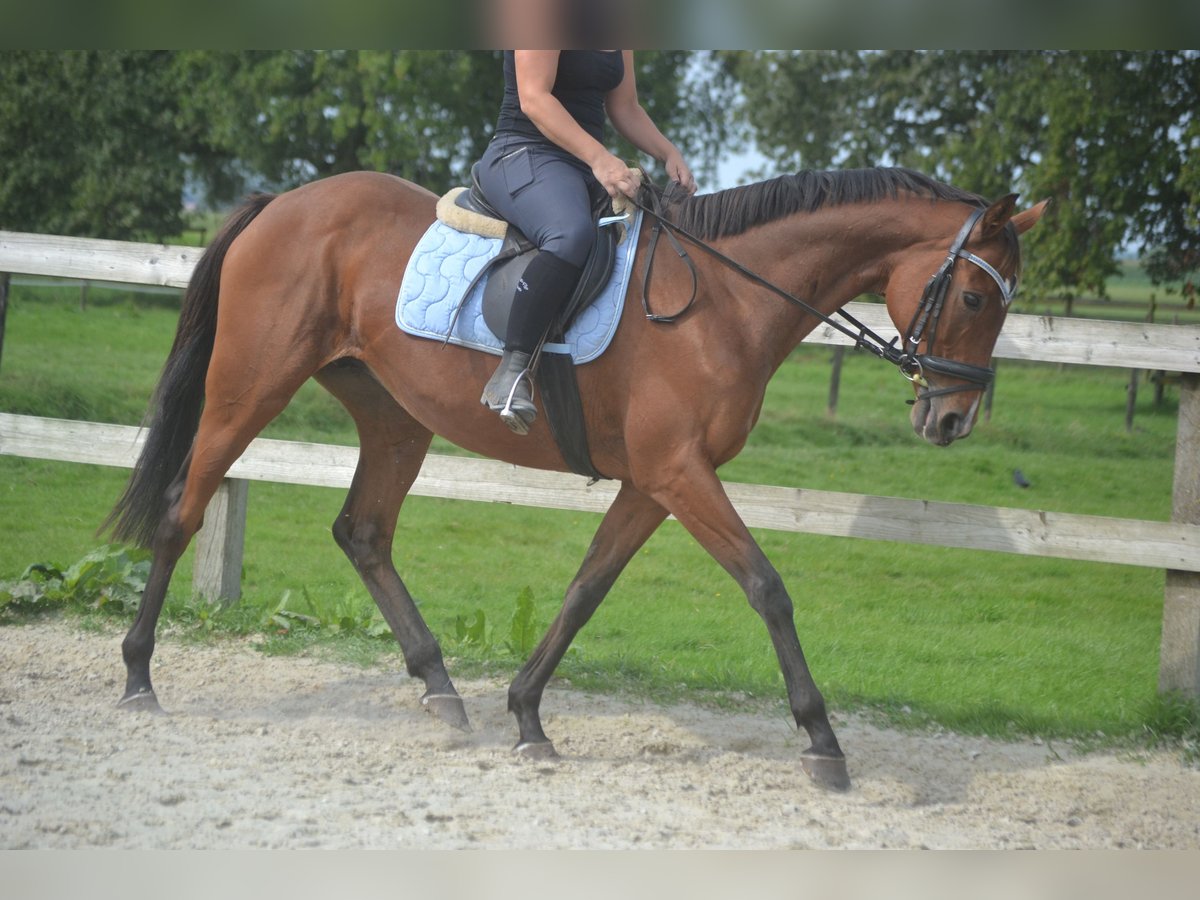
[1025,220]
[996,216]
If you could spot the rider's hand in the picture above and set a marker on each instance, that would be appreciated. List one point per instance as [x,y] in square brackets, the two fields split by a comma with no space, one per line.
[616,177]
[677,170]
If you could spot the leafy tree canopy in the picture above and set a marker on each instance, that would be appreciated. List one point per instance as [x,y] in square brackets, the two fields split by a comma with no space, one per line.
[89,144]
[1112,138]
[103,142]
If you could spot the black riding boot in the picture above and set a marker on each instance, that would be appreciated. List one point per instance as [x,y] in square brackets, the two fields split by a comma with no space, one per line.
[542,291]
[510,391]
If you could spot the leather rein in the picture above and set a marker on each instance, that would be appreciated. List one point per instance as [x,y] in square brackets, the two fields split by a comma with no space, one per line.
[912,365]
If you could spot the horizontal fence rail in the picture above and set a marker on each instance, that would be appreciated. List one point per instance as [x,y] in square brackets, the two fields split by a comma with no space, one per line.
[95,260]
[1173,546]
[1158,545]
[1127,345]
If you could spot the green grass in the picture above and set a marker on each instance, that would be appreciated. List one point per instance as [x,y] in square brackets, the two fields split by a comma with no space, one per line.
[1131,297]
[978,642]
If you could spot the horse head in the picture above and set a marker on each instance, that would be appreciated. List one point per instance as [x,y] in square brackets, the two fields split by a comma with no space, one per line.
[949,307]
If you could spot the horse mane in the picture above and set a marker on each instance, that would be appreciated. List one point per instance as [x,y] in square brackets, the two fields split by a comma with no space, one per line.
[735,210]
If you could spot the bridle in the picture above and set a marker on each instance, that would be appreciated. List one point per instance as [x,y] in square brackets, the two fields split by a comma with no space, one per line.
[912,365]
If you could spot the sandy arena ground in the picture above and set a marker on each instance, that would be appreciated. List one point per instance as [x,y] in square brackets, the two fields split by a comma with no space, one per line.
[296,753]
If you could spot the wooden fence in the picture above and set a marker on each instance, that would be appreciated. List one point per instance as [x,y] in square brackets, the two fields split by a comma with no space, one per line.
[1173,546]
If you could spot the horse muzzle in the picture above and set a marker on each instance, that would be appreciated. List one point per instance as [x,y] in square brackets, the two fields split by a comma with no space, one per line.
[945,411]
[942,422]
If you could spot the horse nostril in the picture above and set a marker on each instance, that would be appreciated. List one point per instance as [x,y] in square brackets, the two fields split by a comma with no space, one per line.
[949,426]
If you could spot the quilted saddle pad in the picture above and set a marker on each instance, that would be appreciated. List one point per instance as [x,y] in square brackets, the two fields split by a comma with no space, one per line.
[443,265]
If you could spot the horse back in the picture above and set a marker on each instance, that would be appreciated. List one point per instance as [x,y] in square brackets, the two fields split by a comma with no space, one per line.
[326,257]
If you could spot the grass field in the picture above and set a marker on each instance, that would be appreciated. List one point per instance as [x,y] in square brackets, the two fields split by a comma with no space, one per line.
[1131,297]
[974,641]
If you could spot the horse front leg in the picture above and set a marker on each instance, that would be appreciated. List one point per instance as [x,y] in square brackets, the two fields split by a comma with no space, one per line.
[698,500]
[627,525]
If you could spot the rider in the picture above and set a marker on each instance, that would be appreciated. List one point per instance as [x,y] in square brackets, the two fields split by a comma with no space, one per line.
[540,171]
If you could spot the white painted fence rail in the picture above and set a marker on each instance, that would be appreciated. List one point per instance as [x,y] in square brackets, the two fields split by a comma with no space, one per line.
[1173,546]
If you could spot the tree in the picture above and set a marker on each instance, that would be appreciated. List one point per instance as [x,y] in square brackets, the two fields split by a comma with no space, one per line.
[688,95]
[89,144]
[282,118]
[286,117]
[102,142]
[1110,137]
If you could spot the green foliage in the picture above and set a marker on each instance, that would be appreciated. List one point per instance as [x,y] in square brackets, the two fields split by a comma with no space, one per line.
[688,95]
[89,143]
[471,633]
[109,578]
[283,117]
[1109,137]
[1173,721]
[346,615]
[103,143]
[424,115]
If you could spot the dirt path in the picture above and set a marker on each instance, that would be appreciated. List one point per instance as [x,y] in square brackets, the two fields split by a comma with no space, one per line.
[268,752]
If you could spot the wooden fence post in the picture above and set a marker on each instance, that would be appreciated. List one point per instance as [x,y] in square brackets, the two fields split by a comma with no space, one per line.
[1179,660]
[1131,399]
[989,395]
[5,280]
[217,571]
[835,380]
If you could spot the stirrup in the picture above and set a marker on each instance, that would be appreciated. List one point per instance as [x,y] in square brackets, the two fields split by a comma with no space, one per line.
[510,392]
[518,413]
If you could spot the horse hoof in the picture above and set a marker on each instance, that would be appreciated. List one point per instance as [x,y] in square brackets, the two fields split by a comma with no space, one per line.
[536,750]
[828,772]
[141,701]
[449,709]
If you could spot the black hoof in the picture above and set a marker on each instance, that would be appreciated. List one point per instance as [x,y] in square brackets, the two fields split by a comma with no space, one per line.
[828,772]
[141,701]
[536,750]
[448,708]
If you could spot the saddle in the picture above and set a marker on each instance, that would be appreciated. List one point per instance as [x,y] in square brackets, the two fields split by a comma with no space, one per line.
[467,209]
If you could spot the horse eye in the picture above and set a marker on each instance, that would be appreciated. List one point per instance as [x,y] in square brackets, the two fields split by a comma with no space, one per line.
[973,300]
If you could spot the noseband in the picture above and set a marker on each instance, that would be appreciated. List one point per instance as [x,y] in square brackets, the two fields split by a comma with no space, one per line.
[914,365]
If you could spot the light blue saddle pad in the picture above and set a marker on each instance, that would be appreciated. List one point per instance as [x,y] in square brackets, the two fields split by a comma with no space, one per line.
[445,261]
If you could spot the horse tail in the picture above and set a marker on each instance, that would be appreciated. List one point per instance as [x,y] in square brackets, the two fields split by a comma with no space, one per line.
[174,413]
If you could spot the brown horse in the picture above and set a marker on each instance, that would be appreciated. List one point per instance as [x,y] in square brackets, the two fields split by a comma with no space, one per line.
[304,284]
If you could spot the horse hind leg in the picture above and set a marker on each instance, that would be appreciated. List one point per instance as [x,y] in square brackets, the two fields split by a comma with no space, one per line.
[226,428]
[138,647]
[626,526]
[392,446]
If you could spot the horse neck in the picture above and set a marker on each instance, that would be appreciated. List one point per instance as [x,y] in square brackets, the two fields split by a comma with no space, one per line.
[825,258]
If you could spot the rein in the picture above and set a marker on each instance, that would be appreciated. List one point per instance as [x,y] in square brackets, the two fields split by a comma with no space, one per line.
[912,365]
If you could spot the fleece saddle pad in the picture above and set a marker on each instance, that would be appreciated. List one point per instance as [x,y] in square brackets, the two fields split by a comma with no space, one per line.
[442,267]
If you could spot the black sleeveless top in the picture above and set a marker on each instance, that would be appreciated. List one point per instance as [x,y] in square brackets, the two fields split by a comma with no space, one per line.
[584,77]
